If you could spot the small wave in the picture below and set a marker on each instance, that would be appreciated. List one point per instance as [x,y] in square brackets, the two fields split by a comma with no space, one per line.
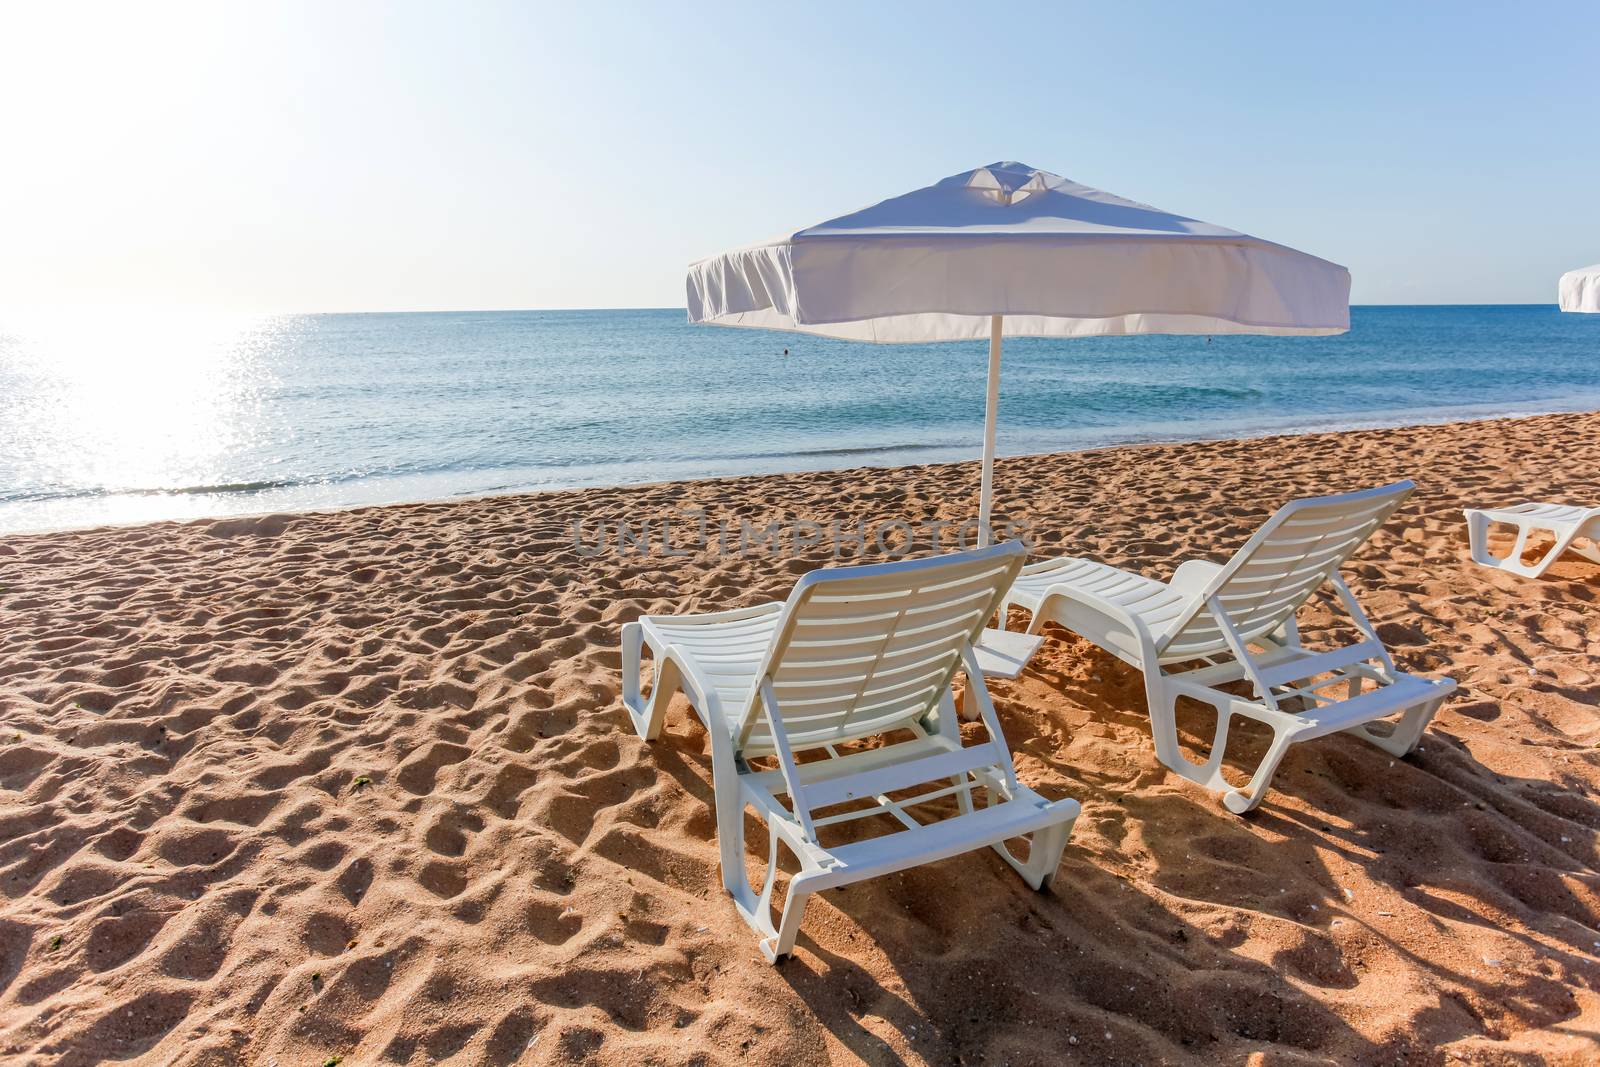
[220,488]
[1187,392]
[854,450]
[586,460]
[97,492]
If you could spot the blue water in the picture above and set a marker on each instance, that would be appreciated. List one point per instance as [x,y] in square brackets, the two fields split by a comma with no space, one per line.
[117,419]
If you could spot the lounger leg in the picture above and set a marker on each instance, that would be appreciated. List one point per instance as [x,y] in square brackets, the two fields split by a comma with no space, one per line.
[1164,727]
[1478,541]
[632,642]
[756,909]
[729,800]
[647,713]
[730,855]
[1519,546]
[781,943]
[1590,530]
[1035,622]
[776,941]
[1478,537]
[1240,801]
[1045,848]
[1163,708]
[1408,731]
[1514,562]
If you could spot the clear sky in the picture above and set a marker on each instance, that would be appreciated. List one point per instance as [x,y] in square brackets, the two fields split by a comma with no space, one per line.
[366,156]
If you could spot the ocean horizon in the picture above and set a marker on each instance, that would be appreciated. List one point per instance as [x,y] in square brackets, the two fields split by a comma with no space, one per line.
[121,420]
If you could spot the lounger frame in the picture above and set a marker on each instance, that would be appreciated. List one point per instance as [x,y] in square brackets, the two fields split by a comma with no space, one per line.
[1564,523]
[1215,625]
[854,653]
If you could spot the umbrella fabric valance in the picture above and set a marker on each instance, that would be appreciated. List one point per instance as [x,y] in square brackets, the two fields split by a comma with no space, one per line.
[1580,290]
[1053,257]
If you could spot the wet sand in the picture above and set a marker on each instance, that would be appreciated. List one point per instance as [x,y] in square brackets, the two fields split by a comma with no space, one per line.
[358,784]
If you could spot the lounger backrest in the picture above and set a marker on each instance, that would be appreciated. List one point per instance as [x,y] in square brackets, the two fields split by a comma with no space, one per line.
[860,651]
[1279,568]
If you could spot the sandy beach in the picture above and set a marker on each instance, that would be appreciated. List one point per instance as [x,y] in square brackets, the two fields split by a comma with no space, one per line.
[358,784]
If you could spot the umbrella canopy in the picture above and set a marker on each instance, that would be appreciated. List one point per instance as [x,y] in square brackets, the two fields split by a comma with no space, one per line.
[1011,250]
[1580,289]
[1055,258]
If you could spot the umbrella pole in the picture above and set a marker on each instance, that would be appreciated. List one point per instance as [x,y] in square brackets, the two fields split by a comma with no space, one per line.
[990,408]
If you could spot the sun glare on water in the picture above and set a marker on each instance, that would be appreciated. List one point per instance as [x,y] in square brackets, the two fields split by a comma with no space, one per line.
[127,402]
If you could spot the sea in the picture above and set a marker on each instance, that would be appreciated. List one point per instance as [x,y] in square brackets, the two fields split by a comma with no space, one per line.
[126,417]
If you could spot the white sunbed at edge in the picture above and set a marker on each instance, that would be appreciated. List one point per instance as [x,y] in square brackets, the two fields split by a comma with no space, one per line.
[854,653]
[1238,619]
[1564,522]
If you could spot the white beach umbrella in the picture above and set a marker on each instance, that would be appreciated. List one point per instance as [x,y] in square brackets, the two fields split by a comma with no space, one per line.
[1010,250]
[1580,289]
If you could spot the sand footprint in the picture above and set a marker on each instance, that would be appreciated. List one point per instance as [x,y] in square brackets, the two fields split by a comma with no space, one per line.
[510,1038]
[450,832]
[419,774]
[183,847]
[248,809]
[326,933]
[200,943]
[510,782]
[442,879]
[115,939]
[354,881]
[129,1029]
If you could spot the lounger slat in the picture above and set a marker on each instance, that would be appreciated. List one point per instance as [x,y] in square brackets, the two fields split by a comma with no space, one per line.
[864,650]
[899,776]
[892,585]
[1308,531]
[793,679]
[826,730]
[1294,668]
[812,659]
[796,698]
[790,680]
[879,611]
[1280,563]
[733,631]
[923,629]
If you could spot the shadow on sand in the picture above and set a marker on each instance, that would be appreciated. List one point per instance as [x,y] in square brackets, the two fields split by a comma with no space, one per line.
[1371,911]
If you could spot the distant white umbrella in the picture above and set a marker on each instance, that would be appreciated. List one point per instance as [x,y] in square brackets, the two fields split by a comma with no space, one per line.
[1580,289]
[1010,250]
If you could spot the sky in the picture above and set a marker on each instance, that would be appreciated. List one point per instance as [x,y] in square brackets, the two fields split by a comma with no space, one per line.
[349,156]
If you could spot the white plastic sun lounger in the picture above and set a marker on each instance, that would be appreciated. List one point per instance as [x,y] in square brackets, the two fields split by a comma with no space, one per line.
[854,653]
[1564,523]
[1236,622]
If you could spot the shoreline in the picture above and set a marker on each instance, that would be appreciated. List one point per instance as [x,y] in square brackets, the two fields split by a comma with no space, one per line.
[513,493]
[358,783]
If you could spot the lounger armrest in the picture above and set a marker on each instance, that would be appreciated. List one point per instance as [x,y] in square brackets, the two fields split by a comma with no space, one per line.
[1193,576]
[699,695]
[1111,613]
[667,650]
